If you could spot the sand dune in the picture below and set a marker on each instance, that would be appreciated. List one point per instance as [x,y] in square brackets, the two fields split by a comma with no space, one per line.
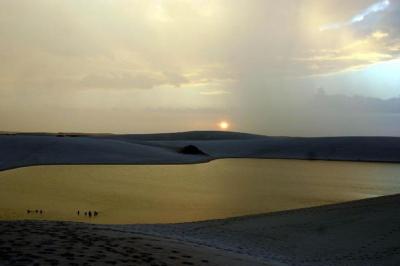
[59,243]
[22,150]
[360,233]
[365,232]
[41,149]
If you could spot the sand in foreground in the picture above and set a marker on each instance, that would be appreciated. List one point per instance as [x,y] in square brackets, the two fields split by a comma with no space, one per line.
[58,243]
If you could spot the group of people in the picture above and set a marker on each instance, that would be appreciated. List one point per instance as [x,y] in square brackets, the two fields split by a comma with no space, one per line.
[34,211]
[88,213]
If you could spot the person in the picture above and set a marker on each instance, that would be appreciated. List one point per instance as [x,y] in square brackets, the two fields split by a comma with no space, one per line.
[90,214]
[95,213]
[85,213]
[77,212]
[28,211]
[41,212]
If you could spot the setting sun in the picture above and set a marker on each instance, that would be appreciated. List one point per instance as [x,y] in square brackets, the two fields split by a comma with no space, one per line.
[223,125]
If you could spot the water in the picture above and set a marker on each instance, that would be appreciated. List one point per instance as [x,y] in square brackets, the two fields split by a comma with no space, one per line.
[182,193]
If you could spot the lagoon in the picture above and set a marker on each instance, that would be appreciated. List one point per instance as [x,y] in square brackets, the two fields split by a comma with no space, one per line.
[125,194]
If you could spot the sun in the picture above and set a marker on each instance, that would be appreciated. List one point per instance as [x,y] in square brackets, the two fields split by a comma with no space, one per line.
[223,125]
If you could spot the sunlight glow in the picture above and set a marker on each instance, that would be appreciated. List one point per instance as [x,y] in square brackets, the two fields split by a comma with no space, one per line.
[223,125]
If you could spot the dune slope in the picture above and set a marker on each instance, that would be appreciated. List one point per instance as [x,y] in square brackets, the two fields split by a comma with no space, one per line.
[365,232]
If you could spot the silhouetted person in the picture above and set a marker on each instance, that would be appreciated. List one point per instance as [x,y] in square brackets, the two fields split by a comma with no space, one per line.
[41,212]
[77,212]
[28,211]
[90,214]
[36,211]
[95,213]
[85,213]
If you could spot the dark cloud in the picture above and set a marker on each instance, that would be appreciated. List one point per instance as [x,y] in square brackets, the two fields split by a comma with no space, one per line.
[360,104]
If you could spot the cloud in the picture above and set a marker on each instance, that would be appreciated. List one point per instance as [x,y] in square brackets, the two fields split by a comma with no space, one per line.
[375,8]
[214,93]
[247,56]
[132,80]
[359,52]
[121,44]
[359,104]
[379,35]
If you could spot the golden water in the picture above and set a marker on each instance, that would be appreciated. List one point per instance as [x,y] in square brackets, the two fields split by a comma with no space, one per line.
[180,193]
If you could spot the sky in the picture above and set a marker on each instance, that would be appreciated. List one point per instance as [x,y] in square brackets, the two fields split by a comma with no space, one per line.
[287,67]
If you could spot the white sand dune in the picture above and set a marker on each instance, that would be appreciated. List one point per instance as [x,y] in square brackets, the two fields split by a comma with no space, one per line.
[365,232]
[359,233]
[23,150]
[41,149]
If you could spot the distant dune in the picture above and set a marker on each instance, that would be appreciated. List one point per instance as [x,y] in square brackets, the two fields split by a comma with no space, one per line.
[24,149]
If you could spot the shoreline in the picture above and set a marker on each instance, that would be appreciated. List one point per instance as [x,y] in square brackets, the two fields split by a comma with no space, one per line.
[208,160]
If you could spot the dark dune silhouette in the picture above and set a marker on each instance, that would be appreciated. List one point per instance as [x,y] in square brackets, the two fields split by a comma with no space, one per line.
[191,149]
